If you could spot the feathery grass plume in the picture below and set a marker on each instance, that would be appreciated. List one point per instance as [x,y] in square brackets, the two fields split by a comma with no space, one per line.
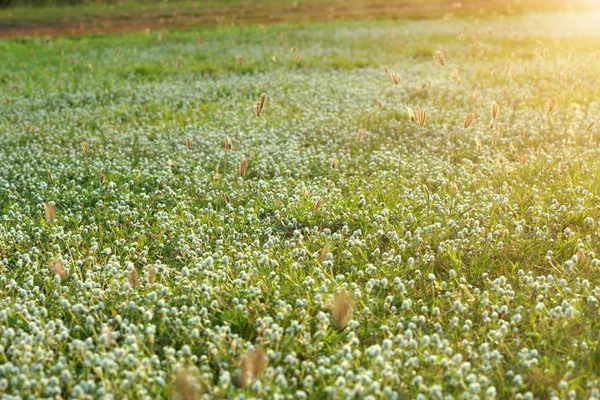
[274,59]
[324,252]
[101,178]
[179,61]
[117,52]
[396,78]
[57,266]
[335,163]
[579,256]
[188,143]
[85,146]
[239,59]
[561,166]
[147,107]
[243,167]
[468,121]
[500,128]
[317,204]
[50,209]
[440,58]
[551,104]
[511,148]
[258,107]
[108,334]
[216,174]
[228,144]
[478,145]
[360,134]
[151,274]
[574,106]
[385,69]
[494,137]
[260,362]
[411,114]
[186,385]
[524,159]
[252,365]
[591,126]
[494,110]
[134,277]
[421,116]
[342,309]
[245,371]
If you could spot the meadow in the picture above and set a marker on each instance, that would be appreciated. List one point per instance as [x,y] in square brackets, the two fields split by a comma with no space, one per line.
[410,211]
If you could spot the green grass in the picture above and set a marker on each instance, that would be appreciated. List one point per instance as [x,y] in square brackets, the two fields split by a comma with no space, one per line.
[99,16]
[461,261]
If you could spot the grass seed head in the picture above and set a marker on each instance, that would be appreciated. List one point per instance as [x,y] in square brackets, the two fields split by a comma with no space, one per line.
[252,365]
[591,126]
[85,146]
[421,116]
[57,266]
[440,58]
[562,166]
[551,104]
[360,134]
[151,274]
[186,385]
[494,110]
[260,104]
[50,209]
[411,114]
[243,167]
[580,256]
[188,143]
[216,174]
[341,309]
[239,59]
[134,278]
[317,204]
[396,78]
[108,334]
[228,144]
[468,121]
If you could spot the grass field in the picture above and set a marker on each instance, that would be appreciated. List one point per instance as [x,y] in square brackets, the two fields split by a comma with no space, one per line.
[358,239]
[135,15]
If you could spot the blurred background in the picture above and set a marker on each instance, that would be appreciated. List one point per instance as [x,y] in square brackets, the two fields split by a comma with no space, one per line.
[40,17]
